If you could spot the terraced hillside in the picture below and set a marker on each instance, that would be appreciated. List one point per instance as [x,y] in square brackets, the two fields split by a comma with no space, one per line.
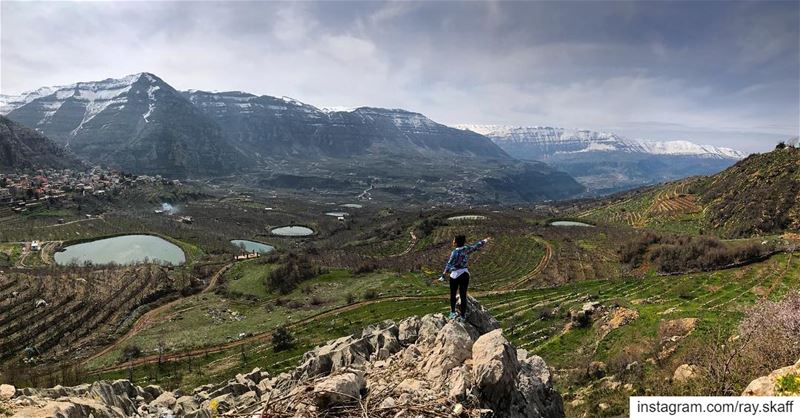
[759,195]
[670,207]
[48,316]
[641,329]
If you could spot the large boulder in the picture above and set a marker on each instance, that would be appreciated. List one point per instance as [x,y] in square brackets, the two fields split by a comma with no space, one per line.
[429,327]
[494,369]
[7,392]
[452,346]
[773,384]
[337,390]
[535,385]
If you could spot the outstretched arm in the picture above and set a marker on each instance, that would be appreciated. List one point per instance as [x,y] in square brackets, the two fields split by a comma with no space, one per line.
[476,246]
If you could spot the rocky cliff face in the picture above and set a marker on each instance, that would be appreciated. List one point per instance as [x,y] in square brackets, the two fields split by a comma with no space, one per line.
[24,149]
[420,367]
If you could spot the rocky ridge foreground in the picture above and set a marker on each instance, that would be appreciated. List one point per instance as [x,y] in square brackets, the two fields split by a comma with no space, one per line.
[420,367]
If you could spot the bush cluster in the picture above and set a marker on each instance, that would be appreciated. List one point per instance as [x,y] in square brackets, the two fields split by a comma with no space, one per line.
[676,253]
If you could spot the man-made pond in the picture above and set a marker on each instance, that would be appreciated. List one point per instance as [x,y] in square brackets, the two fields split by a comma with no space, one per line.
[467,218]
[337,214]
[292,231]
[252,246]
[352,205]
[569,223]
[125,249]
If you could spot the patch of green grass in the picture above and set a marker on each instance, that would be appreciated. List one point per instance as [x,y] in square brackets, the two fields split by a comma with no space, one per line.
[247,278]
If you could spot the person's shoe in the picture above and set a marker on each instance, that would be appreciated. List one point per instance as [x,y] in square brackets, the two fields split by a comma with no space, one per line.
[452,315]
[461,319]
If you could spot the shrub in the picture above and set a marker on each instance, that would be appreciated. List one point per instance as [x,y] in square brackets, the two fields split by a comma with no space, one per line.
[131,352]
[370,294]
[293,270]
[367,267]
[282,339]
[765,340]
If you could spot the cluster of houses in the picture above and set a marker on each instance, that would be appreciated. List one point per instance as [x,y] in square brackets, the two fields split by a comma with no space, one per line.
[24,190]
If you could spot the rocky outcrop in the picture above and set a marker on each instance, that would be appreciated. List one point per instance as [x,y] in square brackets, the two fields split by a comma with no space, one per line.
[781,382]
[420,367]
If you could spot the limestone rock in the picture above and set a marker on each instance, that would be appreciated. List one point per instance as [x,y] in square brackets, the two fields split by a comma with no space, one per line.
[769,385]
[7,392]
[685,373]
[408,330]
[452,346]
[338,390]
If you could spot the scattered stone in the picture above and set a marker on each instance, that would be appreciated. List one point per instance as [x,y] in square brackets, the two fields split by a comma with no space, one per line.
[597,370]
[7,392]
[684,373]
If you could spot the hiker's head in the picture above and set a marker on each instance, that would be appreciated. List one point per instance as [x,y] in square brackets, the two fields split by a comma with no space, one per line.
[459,240]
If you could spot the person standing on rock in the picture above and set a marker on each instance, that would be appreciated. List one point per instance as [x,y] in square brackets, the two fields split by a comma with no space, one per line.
[459,275]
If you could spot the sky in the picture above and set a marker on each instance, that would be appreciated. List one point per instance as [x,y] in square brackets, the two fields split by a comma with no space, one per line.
[724,73]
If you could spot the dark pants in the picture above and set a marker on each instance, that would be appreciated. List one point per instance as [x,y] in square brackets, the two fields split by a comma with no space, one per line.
[459,284]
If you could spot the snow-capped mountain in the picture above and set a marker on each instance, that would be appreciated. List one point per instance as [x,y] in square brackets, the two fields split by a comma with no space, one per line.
[607,162]
[559,141]
[141,124]
[137,123]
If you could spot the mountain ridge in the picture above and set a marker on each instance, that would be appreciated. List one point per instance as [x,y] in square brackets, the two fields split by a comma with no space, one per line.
[605,162]
[537,134]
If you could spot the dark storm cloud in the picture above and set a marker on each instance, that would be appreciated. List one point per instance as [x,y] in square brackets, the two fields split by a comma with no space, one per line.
[720,72]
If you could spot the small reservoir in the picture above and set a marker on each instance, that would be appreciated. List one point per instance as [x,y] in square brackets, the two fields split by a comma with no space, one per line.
[252,246]
[292,231]
[570,223]
[125,249]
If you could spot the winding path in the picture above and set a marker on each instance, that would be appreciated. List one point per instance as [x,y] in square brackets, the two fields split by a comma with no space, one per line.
[149,317]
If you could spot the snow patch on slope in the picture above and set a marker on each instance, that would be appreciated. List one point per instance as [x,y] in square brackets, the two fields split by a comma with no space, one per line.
[151,101]
[594,141]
